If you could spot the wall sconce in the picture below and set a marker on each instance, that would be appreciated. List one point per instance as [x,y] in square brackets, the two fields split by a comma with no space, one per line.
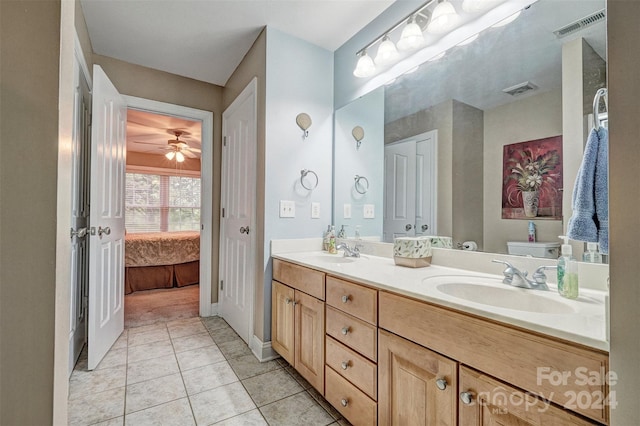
[358,135]
[304,122]
[422,31]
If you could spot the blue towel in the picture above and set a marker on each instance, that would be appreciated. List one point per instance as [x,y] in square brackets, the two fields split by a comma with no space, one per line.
[590,219]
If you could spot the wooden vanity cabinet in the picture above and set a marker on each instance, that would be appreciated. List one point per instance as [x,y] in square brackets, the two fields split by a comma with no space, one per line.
[416,386]
[487,402]
[298,319]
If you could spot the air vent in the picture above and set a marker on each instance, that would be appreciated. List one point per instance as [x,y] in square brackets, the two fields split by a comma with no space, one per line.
[519,89]
[580,24]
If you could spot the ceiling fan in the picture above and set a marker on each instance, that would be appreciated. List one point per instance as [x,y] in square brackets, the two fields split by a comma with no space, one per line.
[176,148]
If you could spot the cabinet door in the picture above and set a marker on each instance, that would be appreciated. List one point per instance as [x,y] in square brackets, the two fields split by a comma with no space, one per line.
[415,385]
[486,401]
[309,348]
[282,320]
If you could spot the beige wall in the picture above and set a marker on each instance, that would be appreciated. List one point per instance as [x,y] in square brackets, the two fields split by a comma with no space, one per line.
[148,83]
[83,35]
[254,64]
[29,58]
[535,117]
[624,199]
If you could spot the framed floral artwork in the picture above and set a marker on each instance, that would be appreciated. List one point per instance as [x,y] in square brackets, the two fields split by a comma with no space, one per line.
[532,179]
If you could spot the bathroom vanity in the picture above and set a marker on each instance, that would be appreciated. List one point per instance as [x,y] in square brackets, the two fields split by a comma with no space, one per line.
[391,345]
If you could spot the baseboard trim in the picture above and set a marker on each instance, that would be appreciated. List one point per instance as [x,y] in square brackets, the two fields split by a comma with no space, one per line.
[262,350]
[213,311]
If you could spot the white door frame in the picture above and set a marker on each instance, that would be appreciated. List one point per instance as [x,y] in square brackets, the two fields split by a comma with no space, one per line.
[206,176]
[250,90]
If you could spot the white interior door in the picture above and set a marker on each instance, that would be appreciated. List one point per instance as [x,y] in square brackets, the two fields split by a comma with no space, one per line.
[237,219]
[106,247]
[426,184]
[79,216]
[399,190]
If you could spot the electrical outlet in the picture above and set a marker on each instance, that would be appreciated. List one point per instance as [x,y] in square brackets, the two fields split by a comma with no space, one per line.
[347,211]
[368,211]
[287,208]
[315,210]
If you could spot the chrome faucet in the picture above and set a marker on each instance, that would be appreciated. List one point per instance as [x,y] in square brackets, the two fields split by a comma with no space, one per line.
[348,251]
[517,278]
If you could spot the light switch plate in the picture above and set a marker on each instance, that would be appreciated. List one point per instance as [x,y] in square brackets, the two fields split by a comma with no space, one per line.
[315,210]
[368,211]
[287,208]
[347,211]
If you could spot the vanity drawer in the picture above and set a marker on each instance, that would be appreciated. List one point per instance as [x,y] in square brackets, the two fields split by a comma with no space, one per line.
[354,405]
[304,279]
[351,331]
[353,367]
[354,299]
[523,358]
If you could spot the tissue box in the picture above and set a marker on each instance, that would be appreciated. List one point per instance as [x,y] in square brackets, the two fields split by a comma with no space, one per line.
[414,252]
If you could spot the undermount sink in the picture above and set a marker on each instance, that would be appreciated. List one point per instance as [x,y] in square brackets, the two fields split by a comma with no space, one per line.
[331,258]
[505,297]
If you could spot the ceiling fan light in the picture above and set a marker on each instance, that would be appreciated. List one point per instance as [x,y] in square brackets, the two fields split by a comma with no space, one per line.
[170,155]
[443,19]
[387,52]
[179,157]
[365,66]
[411,37]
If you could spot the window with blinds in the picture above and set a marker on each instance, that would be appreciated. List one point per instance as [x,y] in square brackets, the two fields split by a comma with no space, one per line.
[161,203]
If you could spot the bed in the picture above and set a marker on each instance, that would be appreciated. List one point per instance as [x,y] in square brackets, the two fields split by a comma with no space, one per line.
[161,260]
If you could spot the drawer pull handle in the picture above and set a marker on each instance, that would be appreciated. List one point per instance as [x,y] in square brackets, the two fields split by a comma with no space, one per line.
[345,299]
[345,330]
[344,402]
[345,364]
[295,303]
[441,384]
[466,397]
[287,300]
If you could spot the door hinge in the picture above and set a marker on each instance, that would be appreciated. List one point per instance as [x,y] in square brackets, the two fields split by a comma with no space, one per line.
[223,212]
[224,140]
[202,226]
[221,284]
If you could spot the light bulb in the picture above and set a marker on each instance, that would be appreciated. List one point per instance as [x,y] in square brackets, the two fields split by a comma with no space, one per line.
[179,157]
[170,155]
[387,52]
[508,20]
[365,66]
[411,37]
[443,19]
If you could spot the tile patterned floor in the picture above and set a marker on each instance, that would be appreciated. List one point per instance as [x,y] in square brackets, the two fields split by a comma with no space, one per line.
[192,372]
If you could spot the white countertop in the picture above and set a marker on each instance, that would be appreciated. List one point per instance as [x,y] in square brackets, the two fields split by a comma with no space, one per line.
[584,322]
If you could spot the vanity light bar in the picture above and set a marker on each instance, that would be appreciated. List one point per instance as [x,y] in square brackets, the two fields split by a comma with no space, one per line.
[404,20]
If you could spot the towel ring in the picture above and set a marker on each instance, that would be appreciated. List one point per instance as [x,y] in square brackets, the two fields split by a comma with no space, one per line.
[596,107]
[358,184]
[303,174]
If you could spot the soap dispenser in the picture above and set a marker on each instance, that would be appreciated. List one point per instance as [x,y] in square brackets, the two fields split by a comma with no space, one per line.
[592,255]
[325,238]
[332,240]
[567,271]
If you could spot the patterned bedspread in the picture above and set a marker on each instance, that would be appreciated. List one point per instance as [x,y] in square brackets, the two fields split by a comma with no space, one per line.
[161,248]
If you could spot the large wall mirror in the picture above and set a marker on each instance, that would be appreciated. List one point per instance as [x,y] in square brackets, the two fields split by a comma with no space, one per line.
[438,141]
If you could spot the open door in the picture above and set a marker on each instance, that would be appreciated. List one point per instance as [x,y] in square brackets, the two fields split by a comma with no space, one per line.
[106,243]
[237,222]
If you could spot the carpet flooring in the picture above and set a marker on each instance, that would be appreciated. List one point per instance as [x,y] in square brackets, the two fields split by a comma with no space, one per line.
[161,305]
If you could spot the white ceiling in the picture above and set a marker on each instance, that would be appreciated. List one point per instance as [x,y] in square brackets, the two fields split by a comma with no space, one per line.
[206,39]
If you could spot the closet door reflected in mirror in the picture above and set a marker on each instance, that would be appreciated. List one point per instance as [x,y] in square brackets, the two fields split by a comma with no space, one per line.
[410,182]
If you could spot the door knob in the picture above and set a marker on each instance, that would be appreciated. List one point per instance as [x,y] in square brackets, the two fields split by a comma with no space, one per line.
[244,230]
[344,402]
[106,230]
[441,384]
[408,227]
[425,227]
[345,364]
[345,330]
[80,233]
[345,299]
[466,397]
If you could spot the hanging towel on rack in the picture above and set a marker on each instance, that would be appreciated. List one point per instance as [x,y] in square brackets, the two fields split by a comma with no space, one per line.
[590,219]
